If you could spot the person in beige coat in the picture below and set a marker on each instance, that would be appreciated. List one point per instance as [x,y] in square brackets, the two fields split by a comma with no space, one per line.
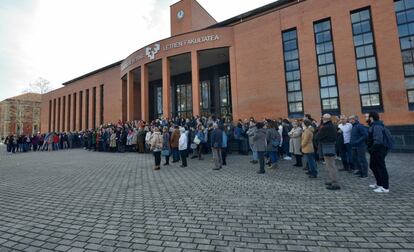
[307,148]
[156,143]
[295,143]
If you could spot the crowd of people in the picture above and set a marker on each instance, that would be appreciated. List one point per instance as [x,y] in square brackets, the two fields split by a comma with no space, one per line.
[307,140]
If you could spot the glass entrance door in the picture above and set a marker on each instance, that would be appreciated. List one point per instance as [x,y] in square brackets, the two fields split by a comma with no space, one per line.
[183,100]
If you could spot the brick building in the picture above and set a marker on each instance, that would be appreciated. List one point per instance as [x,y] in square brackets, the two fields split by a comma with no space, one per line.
[284,59]
[20,115]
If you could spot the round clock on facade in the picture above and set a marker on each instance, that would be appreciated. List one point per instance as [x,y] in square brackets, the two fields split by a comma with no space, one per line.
[180,14]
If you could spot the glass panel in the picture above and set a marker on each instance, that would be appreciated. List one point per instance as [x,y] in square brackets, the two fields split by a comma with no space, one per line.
[205,94]
[409,82]
[409,69]
[410,96]
[409,4]
[159,100]
[403,30]
[399,5]
[324,93]
[364,88]
[224,94]
[372,74]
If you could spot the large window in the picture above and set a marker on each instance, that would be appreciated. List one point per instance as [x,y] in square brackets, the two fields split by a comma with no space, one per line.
[225,103]
[404,10]
[326,67]
[366,61]
[205,98]
[292,72]
[183,102]
[159,101]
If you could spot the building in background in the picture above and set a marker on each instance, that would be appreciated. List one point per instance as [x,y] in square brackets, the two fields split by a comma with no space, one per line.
[284,59]
[20,115]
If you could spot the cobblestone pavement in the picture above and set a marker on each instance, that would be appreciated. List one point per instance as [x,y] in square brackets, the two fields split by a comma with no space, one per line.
[84,201]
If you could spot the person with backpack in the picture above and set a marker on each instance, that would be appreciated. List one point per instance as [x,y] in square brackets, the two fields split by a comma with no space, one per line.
[379,143]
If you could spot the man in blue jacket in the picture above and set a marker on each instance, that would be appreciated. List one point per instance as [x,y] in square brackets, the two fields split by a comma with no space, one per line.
[359,136]
[378,151]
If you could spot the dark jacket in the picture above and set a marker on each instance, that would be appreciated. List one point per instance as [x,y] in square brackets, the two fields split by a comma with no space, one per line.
[375,136]
[217,138]
[327,133]
[259,140]
[359,135]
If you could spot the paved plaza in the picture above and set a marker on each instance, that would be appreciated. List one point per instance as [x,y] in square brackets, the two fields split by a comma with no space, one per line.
[85,201]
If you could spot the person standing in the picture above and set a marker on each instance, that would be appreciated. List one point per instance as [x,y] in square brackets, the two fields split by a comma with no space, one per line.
[327,138]
[259,141]
[224,147]
[358,139]
[216,145]
[166,148]
[156,143]
[182,146]
[295,140]
[175,136]
[308,149]
[251,132]
[345,149]
[273,141]
[379,142]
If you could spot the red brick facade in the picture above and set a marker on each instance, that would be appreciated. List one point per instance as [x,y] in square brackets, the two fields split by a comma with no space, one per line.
[20,115]
[256,66]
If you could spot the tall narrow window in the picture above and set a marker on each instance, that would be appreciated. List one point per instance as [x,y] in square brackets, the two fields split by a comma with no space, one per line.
[205,98]
[94,107]
[80,109]
[225,102]
[326,67]
[50,115]
[69,111]
[74,111]
[101,102]
[58,115]
[292,72]
[404,11]
[366,60]
[87,109]
[184,100]
[64,113]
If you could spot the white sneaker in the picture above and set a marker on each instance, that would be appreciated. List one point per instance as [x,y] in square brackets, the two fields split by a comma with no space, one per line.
[287,158]
[373,186]
[381,190]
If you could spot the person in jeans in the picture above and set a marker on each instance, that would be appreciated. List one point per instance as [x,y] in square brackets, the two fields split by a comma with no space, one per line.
[216,145]
[327,138]
[156,142]
[345,149]
[259,142]
[378,151]
[358,139]
[175,136]
[307,148]
[166,145]
[273,141]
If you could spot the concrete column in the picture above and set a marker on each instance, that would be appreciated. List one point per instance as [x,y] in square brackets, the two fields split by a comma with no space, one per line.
[195,83]
[144,93]
[130,96]
[233,83]
[166,88]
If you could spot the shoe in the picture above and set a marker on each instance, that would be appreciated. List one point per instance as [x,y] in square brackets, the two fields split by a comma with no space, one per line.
[297,165]
[328,183]
[260,172]
[381,190]
[373,186]
[333,187]
[313,176]
[287,158]
[156,168]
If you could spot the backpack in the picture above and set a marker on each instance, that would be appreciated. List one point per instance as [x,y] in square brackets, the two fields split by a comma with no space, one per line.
[387,139]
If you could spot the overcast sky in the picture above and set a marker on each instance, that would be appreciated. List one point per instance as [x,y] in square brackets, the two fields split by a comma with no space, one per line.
[60,40]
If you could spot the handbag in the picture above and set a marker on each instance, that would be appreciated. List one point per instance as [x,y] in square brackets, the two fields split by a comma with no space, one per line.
[193,146]
[165,153]
[197,140]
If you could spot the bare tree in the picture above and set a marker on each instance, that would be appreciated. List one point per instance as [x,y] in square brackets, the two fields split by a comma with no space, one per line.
[40,86]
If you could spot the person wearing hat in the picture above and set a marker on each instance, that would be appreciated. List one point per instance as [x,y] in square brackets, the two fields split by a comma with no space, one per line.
[327,138]
[156,143]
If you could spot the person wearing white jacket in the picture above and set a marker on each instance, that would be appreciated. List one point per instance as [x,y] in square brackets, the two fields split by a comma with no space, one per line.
[182,146]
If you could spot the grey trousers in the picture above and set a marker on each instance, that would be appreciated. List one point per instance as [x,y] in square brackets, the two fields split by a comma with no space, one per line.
[217,157]
[332,170]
